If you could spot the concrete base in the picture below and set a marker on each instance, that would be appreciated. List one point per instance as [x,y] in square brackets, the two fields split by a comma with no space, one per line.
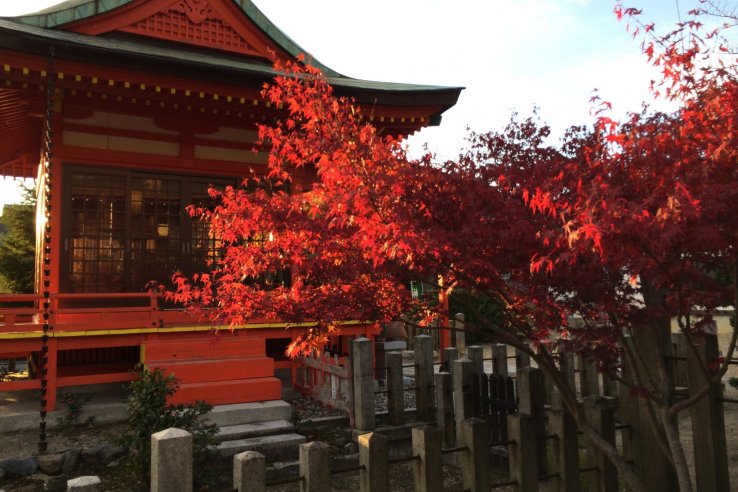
[246,413]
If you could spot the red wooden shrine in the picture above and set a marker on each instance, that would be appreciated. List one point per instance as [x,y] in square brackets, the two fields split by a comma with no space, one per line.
[150,102]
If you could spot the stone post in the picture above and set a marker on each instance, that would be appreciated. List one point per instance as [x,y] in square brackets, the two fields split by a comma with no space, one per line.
[171,461]
[531,401]
[395,392]
[88,483]
[448,356]
[523,456]
[249,472]
[601,415]
[522,359]
[566,364]
[424,378]
[475,460]
[590,379]
[363,376]
[459,333]
[708,421]
[463,404]
[428,469]
[315,467]
[499,358]
[445,408]
[566,449]
[475,353]
[374,455]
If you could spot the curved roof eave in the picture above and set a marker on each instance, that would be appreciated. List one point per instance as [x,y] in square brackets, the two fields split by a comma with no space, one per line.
[104,50]
[77,10]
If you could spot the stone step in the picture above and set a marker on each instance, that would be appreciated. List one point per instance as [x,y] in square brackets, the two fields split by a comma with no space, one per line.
[248,413]
[257,429]
[281,447]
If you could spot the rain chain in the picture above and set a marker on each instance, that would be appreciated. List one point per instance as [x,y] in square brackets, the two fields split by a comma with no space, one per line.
[46,282]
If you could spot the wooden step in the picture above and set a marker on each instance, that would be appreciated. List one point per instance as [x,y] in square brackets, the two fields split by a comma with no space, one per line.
[199,371]
[202,348]
[256,429]
[225,392]
[281,447]
[247,413]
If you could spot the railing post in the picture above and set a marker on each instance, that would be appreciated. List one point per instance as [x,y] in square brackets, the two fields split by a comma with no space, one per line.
[523,455]
[395,393]
[424,378]
[171,461]
[708,420]
[601,415]
[428,469]
[315,467]
[463,404]
[374,456]
[249,472]
[566,448]
[459,333]
[363,376]
[474,461]
[445,408]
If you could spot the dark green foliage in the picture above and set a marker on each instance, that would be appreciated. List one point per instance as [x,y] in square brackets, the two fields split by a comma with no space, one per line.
[18,246]
[75,405]
[148,413]
[476,308]
[733,382]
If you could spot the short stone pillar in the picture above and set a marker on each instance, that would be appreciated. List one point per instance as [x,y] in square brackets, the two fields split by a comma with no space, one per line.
[460,333]
[171,461]
[395,389]
[249,472]
[363,376]
[475,353]
[374,456]
[448,356]
[600,413]
[463,402]
[475,460]
[315,467]
[566,448]
[84,484]
[499,359]
[531,401]
[424,396]
[445,408]
[523,455]
[428,469]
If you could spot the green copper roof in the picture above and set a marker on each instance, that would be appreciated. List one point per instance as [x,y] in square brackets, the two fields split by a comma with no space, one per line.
[75,10]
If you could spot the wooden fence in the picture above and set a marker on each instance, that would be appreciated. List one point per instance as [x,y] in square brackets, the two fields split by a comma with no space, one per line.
[326,378]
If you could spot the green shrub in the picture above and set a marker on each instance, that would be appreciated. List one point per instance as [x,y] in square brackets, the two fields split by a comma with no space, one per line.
[148,413]
[74,404]
[733,382]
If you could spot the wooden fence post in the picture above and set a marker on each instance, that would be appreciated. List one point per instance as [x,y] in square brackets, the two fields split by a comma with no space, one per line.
[601,415]
[424,399]
[499,357]
[523,451]
[459,333]
[249,472]
[395,392]
[474,461]
[374,456]
[708,420]
[445,408]
[531,401]
[566,449]
[363,377]
[171,461]
[463,403]
[315,467]
[428,469]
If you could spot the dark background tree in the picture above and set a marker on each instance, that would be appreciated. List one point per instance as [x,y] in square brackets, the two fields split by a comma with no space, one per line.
[17,245]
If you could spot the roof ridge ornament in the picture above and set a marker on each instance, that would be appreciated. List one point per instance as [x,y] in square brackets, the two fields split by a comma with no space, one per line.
[196,10]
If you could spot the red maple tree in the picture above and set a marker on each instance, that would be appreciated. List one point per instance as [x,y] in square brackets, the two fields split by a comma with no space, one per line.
[621,227]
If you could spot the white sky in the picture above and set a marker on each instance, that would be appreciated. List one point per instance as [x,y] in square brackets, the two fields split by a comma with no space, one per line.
[511,55]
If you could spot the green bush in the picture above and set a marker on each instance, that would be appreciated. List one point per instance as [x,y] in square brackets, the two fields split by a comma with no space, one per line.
[733,382]
[148,413]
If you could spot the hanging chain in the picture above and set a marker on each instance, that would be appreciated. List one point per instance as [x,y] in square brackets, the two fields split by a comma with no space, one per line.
[46,277]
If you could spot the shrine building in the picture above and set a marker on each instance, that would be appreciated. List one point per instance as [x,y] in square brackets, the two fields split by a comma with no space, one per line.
[125,111]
